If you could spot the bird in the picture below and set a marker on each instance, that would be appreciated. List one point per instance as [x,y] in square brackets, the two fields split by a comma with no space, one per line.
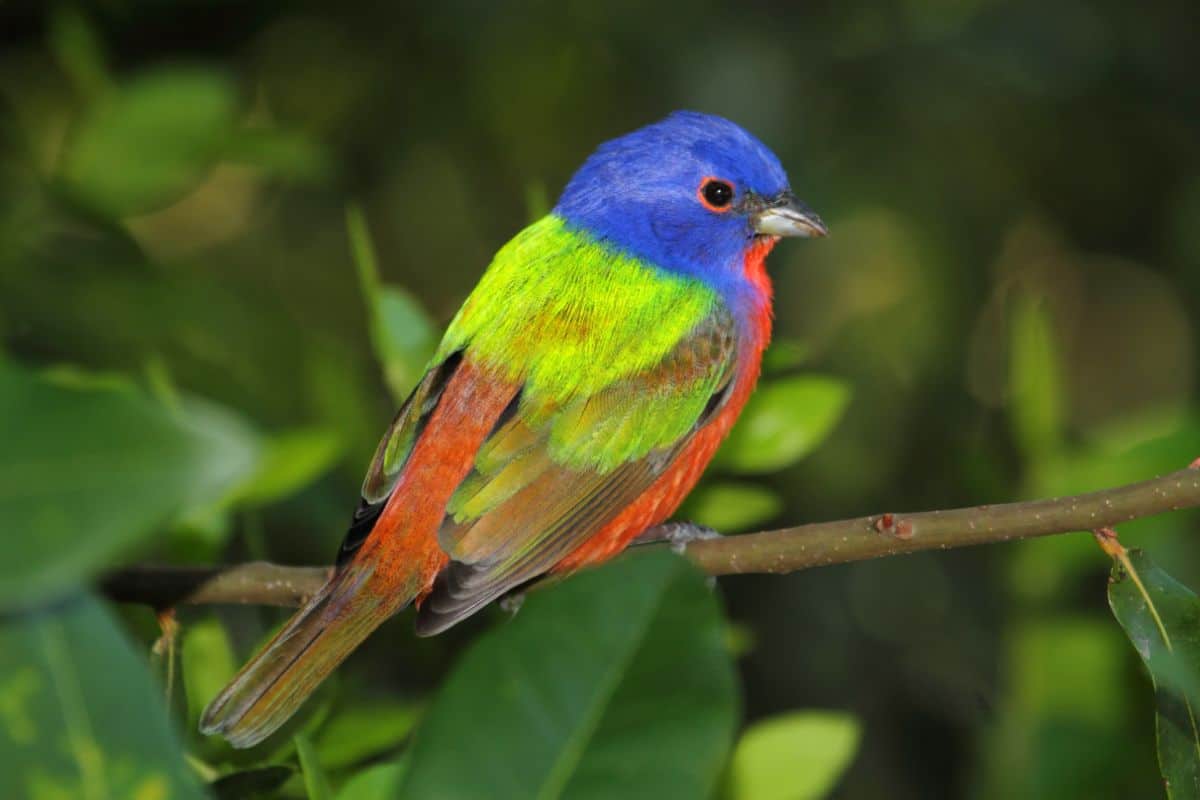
[572,404]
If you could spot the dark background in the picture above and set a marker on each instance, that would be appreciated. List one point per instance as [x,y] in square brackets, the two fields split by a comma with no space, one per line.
[1009,290]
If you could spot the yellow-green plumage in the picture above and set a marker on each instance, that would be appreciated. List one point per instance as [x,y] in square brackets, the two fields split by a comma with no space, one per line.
[569,319]
[618,362]
[598,341]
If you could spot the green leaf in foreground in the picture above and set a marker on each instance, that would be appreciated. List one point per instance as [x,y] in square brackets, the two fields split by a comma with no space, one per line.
[794,756]
[79,713]
[373,783]
[85,473]
[315,782]
[356,733]
[1162,619]
[615,683]
[784,421]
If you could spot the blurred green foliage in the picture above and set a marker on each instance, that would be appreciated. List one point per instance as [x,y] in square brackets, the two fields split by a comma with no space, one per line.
[202,346]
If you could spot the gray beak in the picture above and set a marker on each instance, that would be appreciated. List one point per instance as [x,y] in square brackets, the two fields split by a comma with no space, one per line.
[787,216]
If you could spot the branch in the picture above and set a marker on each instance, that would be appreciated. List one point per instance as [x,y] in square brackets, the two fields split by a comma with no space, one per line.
[779,551]
[823,543]
[255,583]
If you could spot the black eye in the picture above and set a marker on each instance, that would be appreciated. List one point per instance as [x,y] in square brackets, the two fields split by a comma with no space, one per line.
[716,194]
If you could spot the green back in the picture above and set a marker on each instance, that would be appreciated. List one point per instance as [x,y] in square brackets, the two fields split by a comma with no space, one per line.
[568,318]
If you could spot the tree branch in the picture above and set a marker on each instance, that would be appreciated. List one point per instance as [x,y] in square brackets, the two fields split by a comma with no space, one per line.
[254,583]
[824,543]
[779,551]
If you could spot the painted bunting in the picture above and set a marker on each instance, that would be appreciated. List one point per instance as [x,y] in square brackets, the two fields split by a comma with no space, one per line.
[573,403]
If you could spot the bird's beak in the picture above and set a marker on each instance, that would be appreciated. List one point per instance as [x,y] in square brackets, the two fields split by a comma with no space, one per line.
[787,216]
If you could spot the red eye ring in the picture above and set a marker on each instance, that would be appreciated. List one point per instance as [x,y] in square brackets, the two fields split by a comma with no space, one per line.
[715,194]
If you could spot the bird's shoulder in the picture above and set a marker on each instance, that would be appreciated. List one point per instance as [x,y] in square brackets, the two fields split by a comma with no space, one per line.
[565,314]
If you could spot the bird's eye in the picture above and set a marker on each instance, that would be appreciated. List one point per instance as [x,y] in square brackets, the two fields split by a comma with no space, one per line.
[715,194]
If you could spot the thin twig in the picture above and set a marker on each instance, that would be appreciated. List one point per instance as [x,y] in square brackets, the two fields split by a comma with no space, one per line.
[779,551]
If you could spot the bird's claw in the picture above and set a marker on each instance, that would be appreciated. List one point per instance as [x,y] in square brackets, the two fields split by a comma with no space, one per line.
[677,534]
[511,603]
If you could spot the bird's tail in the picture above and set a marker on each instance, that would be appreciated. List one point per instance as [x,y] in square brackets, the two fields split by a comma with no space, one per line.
[281,676]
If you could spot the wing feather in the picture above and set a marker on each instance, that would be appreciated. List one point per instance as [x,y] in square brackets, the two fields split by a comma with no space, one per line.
[556,472]
[392,453]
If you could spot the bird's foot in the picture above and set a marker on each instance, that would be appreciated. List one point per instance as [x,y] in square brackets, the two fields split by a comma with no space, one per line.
[677,534]
[511,603]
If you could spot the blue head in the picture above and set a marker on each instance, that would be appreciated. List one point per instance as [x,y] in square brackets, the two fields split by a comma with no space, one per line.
[690,194]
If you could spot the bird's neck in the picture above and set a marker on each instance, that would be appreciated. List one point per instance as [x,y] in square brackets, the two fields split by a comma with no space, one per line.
[752,301]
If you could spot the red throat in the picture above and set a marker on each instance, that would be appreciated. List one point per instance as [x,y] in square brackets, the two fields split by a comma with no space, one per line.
[755,269]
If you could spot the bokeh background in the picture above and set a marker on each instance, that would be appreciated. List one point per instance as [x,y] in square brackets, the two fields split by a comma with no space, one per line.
[1006,307]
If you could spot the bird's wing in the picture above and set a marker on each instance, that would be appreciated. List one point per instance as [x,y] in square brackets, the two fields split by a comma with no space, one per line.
[392,455]
[554,472]
[602,369]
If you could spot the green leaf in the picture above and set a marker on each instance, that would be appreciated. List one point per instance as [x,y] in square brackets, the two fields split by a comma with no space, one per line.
[402,334]
[731,507]
[315,782]
[80,716]
[794,756]
[86,473]
[1036,404]
[290,461]
[374,783]
[359,732]
[404,338]
[784,421]
[150,141]
[615,683]
[1162,619]
[208,663]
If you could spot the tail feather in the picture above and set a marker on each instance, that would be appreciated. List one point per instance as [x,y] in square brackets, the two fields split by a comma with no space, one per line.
[273,684]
